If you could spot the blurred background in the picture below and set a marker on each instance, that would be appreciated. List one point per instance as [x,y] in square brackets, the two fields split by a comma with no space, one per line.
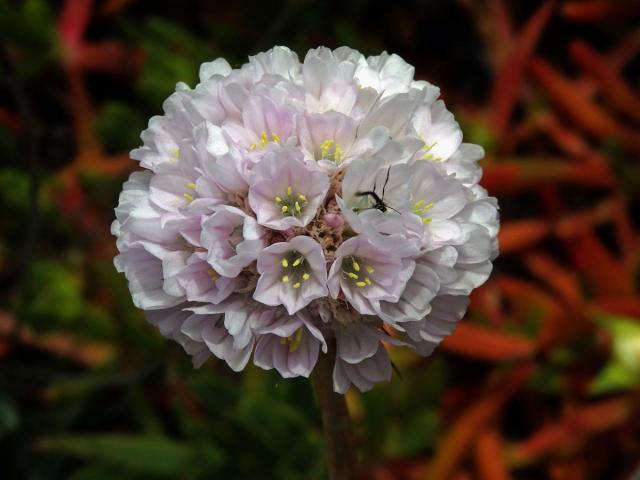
[541,380]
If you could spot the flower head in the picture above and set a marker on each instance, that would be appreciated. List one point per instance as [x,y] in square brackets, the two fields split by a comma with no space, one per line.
[289,205]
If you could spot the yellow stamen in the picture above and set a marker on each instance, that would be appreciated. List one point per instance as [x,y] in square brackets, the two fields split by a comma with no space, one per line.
[302,197]
[252,146]
[285,278]
[296,285]
[297,207]
[276,138]
[263,140]
[353,275]
[361,284]
[294,343]
[366,279]
[306,276]
[297,261]
[419,203]
[369,269]
[285,263]
[284,209]
[289,190]
[175,154]
[356,266]
[188,198]
[191,185]
[330,150]
[278,199]
[426,221]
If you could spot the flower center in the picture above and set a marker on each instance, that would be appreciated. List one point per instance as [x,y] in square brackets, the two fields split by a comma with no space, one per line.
[293,340]
[295,269]
[330,150]
[291,204]
[213,275]
[235,236]
[188,196]
[420,208]
[175,154]
[357,271]
[427,153]
[264,140]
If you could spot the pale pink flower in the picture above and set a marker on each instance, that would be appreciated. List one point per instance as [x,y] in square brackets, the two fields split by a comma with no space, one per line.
[287,205]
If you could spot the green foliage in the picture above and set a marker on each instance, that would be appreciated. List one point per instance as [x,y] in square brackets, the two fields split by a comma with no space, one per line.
[53,296]
[29,26]
[172,55]
[153,455]
[14,189]
[111,118]
[622,372]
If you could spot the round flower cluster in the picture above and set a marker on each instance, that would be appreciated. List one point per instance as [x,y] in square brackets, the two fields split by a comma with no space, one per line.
[287,205]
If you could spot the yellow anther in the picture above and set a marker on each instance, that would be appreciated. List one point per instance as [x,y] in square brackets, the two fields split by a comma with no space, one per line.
[285,263]
[213,274]
[428,155]
[353,275]
[289,190]
[252,146]
[285,278]
[297,261]
[191,185]
[369,269]
[294,342]
[329,149]
[420,207]
[187,197]
[263,140]
[426,221]
[302,197]
[175,154]
[297,207]
[361,284]
[306,276]
[284,209]
[296,285]
[366,279]
[356,266]
[278,199]
[276,138]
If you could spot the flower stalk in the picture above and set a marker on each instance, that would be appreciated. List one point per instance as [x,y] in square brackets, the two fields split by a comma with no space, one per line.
[336,424]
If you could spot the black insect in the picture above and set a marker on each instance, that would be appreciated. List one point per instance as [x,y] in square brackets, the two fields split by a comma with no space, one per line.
[379,203]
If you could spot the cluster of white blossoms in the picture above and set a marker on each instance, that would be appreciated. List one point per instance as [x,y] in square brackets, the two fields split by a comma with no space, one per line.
[287,205]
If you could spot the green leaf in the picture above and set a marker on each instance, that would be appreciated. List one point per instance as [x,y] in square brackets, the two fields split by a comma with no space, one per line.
[613,377]
[146,454]
[9,416]
[112,117]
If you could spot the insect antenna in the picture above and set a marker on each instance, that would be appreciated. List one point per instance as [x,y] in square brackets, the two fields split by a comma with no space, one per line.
[385,183]
[384,187]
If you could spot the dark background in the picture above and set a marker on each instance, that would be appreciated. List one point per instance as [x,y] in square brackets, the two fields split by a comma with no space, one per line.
[541,380]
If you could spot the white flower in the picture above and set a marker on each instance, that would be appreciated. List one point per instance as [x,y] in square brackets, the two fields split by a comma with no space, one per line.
[285,205]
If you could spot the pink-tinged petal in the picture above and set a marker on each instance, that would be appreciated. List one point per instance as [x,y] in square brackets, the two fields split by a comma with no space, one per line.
[283,192]
[369,269]
[223,235]
[365,374]
[291,346]
[292,274]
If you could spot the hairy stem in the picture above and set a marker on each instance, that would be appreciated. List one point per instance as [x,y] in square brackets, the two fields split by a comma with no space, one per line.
[339,444]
